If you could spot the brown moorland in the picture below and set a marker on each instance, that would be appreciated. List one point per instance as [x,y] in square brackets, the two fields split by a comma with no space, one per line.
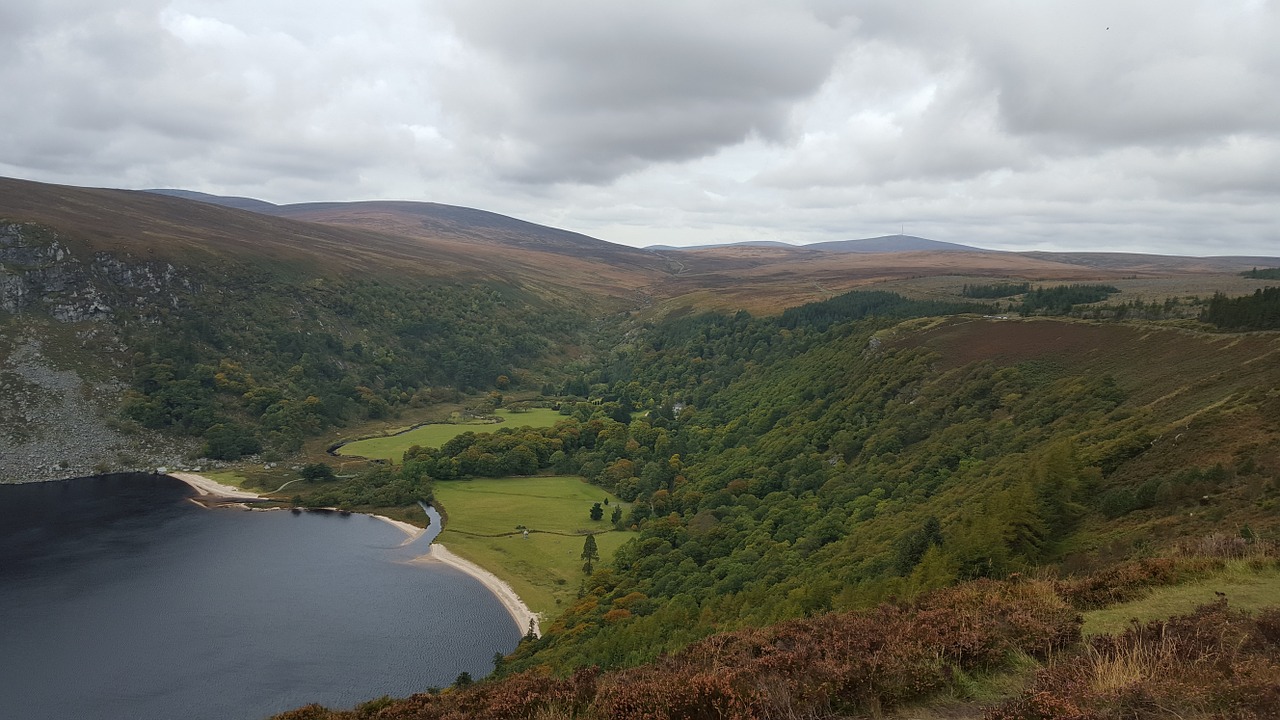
[442,241]
[917,660]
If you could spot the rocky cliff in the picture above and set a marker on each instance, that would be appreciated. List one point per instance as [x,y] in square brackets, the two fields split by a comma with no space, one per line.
[62,362]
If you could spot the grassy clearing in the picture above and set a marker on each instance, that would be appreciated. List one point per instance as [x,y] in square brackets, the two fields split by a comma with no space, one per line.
[1247,587]
[545,569]
[234,478]
[392,447]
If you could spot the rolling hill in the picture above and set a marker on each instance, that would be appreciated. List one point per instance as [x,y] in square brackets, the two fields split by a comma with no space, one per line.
[759,276]
[809,483]
[891,243]
[881,244]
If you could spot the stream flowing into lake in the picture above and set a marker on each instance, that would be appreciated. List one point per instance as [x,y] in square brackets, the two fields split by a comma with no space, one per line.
[120,598]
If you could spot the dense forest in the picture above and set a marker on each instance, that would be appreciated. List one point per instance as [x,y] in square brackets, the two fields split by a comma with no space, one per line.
[824,476]
[258,364]
[812,462]
[1259,311]
[1061,299]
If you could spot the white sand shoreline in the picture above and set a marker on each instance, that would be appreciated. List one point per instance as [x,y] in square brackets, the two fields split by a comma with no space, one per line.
[209,486]
[413,531]
[524,617]
[515,607]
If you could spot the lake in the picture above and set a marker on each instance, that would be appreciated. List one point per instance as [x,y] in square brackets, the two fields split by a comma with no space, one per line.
[120,598]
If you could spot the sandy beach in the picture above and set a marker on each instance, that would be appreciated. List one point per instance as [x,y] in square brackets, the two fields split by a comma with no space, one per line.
[207,486]
[508,597]
[413,531]
[436,553]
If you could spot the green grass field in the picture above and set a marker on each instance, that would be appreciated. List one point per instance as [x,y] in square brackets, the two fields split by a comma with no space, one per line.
[545,569]
[1247,588]
[392,447]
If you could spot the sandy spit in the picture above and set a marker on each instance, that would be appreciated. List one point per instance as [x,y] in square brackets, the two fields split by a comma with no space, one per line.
[207,486]
[413,531]
[519,612]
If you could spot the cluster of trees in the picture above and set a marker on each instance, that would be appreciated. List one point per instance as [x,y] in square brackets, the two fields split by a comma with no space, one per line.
[1137,309]
[1259,311]
[860,304]
[379,486]
[1060,299]
[633,460]
[266,361]
[1262,274]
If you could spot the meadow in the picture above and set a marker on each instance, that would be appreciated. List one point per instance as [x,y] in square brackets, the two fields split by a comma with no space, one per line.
[545,568]
[1248,585]
[392,447]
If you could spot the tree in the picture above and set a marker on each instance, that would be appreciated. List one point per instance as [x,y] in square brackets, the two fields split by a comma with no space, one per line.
[316,472]
[590,554]
[912,545]
[617,515]
[229,441]
[597,513]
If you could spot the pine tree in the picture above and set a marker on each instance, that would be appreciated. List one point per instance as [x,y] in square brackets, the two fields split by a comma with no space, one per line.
[590,554]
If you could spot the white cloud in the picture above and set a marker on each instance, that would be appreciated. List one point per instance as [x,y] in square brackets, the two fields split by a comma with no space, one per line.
[1091,125]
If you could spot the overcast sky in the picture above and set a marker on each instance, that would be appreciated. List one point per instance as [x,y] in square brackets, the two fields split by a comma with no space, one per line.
[1077,125]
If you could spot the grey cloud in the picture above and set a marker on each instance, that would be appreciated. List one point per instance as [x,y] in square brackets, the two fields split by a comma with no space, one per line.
[997,123]
[590,90]
[1104,72]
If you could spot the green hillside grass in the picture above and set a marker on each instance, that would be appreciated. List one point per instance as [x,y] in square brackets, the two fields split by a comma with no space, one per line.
[1247,585]
[392,447]
[546,568]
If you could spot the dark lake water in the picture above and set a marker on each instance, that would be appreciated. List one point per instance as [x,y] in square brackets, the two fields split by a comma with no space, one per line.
[119,598]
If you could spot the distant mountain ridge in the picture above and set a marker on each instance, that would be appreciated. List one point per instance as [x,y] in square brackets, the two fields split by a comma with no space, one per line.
[744,243]
[239,203]
[881,244]
[438,221]
[893,243]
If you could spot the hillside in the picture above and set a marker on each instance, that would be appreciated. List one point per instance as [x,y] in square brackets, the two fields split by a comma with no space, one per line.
[877,465]
[967,469]
[763,276]
[882,244]
[891,243]
[199,330]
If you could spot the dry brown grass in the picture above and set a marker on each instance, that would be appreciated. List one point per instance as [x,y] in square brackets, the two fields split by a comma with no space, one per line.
[426,240]
[1214,662]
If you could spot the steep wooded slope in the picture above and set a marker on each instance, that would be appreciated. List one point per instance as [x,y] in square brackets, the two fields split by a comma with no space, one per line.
[809,474]
[807,468]
[244,331]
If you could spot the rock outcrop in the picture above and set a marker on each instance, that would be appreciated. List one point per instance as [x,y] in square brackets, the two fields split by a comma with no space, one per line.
[39,273]
[59,313]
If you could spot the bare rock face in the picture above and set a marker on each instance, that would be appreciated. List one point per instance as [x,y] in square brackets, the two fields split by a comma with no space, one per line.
[55,423]
[59,315]
[38,273]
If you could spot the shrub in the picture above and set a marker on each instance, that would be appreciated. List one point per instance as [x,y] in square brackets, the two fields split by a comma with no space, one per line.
[1214,662]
